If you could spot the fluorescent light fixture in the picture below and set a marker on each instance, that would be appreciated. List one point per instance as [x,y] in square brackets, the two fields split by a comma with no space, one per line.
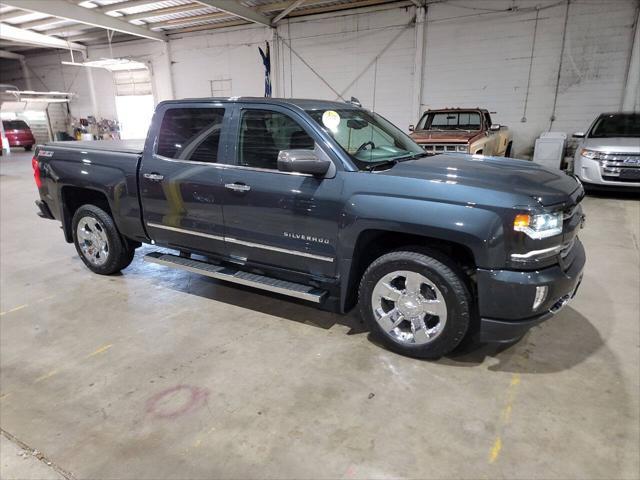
[111,64]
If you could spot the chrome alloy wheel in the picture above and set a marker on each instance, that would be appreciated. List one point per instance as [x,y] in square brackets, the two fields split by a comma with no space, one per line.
[409,307]
[93,242]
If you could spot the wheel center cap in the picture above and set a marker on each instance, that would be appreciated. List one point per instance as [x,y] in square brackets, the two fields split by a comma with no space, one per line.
[409,306]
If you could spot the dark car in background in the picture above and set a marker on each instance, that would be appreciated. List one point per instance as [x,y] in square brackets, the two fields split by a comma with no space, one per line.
[18,134]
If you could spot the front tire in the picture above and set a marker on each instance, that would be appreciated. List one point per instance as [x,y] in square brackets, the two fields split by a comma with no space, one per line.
[98,241]
[414,304]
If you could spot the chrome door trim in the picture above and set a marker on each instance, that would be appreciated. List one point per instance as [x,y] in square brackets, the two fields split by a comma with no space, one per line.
[188,232]
[242,242]
[278,249]
[229,165]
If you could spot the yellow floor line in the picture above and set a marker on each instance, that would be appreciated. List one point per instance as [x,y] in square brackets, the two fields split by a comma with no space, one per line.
[505,417]
[46,375]
[102,349]
[14,309]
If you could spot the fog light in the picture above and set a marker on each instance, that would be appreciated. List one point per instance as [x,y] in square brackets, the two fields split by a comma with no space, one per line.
[541,294]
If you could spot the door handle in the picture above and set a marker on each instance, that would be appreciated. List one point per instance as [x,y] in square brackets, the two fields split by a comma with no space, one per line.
[155,177]
[237,187]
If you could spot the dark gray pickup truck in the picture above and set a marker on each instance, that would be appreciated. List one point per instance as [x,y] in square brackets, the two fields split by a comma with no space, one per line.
[332,204]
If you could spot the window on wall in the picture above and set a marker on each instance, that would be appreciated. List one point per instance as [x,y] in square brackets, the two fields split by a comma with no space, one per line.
[263,133]
[221,87]
[191,134]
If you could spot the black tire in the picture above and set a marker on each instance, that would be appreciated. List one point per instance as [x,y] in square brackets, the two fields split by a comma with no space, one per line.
[445,276]
[27,148]
[507,152]
[119,256]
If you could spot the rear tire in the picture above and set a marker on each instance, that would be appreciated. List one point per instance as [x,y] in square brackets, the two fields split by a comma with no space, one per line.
[98,242]
[415,304]
[27,148]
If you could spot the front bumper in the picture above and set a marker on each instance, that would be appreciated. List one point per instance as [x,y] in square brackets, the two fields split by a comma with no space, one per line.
[589,172]
[506,297]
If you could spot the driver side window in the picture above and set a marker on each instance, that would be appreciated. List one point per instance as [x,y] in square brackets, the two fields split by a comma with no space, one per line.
[263,133]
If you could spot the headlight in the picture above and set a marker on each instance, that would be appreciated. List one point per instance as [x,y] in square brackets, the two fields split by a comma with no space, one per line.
[462,148]
[539,226]
[592,154]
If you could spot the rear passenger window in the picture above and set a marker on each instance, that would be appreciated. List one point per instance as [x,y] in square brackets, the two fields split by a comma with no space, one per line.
[191,134]
[263,133]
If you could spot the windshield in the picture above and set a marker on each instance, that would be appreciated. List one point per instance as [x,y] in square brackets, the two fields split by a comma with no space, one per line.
[14,125]
[449,121]
[366,137]
[617,125]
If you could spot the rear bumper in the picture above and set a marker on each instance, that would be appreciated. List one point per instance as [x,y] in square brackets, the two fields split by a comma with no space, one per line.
[21,142]
[506,297]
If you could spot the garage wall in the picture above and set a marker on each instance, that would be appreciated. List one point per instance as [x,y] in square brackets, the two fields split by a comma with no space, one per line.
[48,74]
[367,55]
[504,55]
[509,61]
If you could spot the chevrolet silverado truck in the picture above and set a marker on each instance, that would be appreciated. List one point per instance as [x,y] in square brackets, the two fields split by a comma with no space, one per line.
[608,155]
[331,204]
[462,130]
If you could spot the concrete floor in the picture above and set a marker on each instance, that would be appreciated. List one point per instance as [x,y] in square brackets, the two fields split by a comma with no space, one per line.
[158,374]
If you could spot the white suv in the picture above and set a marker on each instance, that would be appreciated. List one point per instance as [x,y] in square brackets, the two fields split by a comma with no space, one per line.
[609,153]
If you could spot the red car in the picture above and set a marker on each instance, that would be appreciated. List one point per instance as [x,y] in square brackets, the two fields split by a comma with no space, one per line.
[18,134]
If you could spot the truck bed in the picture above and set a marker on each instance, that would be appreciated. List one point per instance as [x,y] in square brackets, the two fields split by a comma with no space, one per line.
[120,146]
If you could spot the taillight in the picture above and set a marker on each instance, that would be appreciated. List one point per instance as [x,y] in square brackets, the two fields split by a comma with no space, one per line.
[36,171]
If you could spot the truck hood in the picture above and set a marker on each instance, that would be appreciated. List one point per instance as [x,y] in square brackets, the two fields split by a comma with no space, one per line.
[613,144]
[519,177]
[450,136]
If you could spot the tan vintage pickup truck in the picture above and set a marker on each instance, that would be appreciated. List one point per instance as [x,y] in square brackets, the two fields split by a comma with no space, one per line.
[468,130]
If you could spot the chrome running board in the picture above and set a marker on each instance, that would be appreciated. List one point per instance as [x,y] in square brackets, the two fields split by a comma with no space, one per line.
[230,274]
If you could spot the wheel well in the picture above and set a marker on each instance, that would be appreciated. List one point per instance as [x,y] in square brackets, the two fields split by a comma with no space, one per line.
[372,244]
[73,198]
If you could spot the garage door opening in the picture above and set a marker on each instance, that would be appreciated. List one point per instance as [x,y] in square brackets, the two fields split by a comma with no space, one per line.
[134,102]
[134,114]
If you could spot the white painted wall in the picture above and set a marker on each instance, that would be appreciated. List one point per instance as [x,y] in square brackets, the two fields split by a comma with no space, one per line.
[476,57]
[475,54]
[48,74]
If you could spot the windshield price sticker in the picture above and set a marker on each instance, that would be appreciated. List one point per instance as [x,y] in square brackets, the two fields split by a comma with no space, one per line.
[331,119]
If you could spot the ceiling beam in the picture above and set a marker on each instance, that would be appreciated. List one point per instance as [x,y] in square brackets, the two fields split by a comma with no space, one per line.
[13,14]
[19,35]
[76,27]
[68,11]
[118,7]
[234,8]
[41,23]
[11,55]
[191,19]
[292,6]
[163,11]
[267,8]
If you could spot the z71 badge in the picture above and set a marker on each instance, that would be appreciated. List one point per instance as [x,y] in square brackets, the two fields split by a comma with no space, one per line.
[45,153]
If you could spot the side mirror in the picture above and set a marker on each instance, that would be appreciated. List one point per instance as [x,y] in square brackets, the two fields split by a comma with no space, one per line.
[578,135]
[302,161]
[412,128]
[495,127]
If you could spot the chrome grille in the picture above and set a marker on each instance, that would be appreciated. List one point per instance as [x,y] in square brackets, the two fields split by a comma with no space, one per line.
[620,166]
[441,147]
